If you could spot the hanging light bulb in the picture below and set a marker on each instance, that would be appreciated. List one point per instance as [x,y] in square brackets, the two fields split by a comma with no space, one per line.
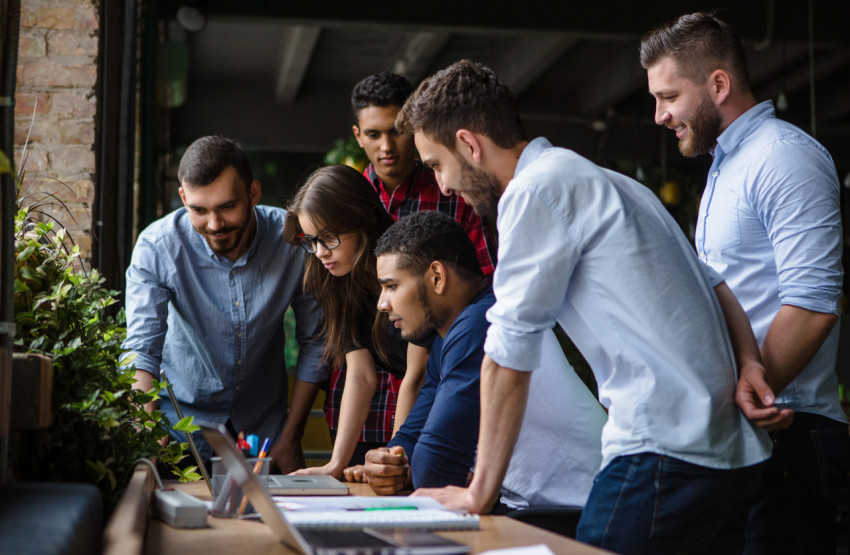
[782,100]
[192,17]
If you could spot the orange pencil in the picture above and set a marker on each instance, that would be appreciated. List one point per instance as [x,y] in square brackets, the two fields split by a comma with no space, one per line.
[257,467]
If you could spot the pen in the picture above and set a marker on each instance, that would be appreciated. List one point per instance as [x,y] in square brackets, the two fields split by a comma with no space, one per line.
[384,509]
[257,467]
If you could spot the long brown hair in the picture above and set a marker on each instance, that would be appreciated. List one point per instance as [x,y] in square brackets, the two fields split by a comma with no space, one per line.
[342,200]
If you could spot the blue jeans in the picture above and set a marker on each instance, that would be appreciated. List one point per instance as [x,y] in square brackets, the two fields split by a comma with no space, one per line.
[797,508]
[650,503]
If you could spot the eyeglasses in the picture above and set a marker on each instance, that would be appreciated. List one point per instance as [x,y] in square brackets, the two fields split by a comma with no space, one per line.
[330,241]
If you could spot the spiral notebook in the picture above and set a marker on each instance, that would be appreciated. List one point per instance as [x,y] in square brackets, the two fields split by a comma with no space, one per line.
[374,512]
[333,539]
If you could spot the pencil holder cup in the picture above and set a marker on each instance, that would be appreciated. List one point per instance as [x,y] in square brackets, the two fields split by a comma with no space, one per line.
[227,495]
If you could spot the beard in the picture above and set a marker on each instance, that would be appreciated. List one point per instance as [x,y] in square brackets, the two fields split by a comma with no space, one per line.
[431,321]
[224,246]
[704,129]
[480,188]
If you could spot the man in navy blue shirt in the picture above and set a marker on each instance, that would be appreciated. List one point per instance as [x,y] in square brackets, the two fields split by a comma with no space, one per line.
[430,281]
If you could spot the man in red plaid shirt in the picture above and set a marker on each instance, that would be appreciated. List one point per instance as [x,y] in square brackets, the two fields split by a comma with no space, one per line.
[403,183]
[405,186]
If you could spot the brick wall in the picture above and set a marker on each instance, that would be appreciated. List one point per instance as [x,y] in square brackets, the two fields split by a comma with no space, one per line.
[57,66]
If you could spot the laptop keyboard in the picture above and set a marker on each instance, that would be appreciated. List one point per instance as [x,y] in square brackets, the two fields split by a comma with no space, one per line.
[342,538]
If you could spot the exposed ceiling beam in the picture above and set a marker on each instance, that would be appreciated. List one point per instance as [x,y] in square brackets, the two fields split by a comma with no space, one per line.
[766,66]
[421,51]
[831,101]
[529,58]
[797,79]
[624,19]
[618,77]
[297,49]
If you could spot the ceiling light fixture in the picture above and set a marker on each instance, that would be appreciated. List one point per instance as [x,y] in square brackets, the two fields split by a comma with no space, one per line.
[191,17]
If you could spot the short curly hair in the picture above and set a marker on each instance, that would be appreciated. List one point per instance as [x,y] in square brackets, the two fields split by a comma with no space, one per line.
[426,236]
[381,89]
[465,95]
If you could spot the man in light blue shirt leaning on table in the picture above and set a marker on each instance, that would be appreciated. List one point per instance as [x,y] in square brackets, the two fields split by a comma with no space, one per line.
[596,252]
[770,222]
[207,289]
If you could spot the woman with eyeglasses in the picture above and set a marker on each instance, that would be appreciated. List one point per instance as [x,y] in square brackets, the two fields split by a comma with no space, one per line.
[337,218]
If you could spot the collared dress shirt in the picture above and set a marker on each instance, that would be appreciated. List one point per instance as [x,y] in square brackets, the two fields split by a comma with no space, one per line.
[770,222]
[597,252]
[216,326]
[420,192]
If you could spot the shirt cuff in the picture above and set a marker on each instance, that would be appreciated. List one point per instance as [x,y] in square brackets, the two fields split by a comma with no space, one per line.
[517,351]
[800,299]
[713,276]
[144,363]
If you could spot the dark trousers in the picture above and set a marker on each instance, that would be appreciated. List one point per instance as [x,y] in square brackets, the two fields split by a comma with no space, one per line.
[653,504]
[797,505]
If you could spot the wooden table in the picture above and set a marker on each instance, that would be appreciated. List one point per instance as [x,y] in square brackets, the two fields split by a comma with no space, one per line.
[245,537]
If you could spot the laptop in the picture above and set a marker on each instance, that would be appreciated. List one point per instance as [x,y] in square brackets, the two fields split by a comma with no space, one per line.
[325,541]
[282,484]
[278,484]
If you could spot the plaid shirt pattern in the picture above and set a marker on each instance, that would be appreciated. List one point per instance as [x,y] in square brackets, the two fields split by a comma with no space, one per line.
[379,422]
[420,192]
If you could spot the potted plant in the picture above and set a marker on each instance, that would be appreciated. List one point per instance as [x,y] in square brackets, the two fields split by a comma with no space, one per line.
[100,428]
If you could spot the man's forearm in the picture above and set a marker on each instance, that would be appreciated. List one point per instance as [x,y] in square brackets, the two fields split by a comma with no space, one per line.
[793,339]
[504,393]
[144,382]
[740,331]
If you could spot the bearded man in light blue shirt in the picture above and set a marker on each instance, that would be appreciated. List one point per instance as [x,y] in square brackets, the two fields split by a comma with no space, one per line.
[207,289]
[770,222]
[596,252]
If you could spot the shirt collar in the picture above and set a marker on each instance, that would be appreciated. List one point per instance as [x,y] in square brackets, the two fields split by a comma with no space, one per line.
[407,185]
[530,153]
[741,128]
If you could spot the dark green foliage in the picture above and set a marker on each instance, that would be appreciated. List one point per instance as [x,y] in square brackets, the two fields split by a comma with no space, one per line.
[347,151]
[100,428]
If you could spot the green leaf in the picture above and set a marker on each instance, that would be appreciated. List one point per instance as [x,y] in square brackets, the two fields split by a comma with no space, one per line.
[186,424]
[27,253]
[5,165]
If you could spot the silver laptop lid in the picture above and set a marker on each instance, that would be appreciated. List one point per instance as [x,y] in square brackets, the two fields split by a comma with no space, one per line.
[238,468]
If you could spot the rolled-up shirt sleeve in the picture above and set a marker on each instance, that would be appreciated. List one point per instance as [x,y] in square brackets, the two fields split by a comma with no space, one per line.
[713,276]
[538,252]
[800,206]
[147,297]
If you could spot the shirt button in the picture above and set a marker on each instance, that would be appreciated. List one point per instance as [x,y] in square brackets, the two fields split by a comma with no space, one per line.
[715,173]
[237,388]
[239,335]
[236,303]
[239,362]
